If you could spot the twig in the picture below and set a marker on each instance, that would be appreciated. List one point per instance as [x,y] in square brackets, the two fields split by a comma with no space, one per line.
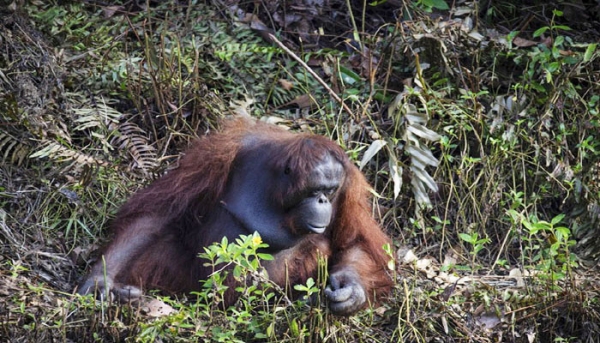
[312,72]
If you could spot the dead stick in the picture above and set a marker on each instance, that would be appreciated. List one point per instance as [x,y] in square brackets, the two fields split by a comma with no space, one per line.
[312,72]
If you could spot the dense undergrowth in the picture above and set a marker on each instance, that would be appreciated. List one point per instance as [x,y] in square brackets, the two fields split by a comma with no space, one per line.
[477,127]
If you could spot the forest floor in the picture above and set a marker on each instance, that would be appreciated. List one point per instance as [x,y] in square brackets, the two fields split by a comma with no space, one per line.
[477,125]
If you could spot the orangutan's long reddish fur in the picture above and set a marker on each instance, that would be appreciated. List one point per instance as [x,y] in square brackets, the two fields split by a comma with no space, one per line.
[193,190]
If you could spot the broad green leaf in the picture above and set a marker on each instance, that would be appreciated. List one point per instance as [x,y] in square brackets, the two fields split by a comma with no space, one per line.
[348,76]
[589,52]
[557,219]
[561,27]
[266,257]
[559,40]
[540,31]
[439,4]
[466,237]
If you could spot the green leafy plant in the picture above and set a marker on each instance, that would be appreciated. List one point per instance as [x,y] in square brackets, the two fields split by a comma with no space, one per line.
[545,62]
[429,5]
[477,244]
[262,311]
[550,242]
